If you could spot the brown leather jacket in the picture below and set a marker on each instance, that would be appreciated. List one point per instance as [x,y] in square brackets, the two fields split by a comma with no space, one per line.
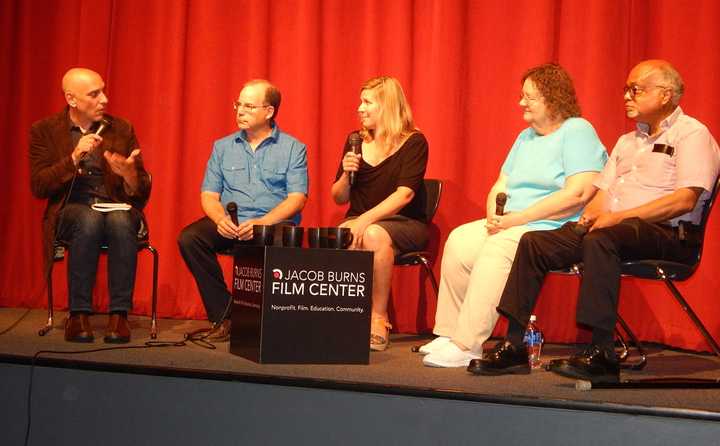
[52,169]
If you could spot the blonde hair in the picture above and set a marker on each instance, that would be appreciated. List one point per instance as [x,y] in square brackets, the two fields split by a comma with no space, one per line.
[396,121]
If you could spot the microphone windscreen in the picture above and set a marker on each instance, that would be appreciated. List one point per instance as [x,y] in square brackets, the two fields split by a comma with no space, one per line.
[580,229]
[104,123]
[232,212]
[355,144]
[500,200]
[355,141]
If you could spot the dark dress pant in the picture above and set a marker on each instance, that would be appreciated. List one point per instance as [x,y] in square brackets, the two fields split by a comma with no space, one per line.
[601,251]
[199,244]
[85,231]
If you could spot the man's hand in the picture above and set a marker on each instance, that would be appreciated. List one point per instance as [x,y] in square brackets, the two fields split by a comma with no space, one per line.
[605,220]
[86,144]
[227,228]
[125,167]
[245,229]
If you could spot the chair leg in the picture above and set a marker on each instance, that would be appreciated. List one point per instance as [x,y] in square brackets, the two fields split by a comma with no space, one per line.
[430,273]
[640,364]
[153,321]
[684,305]
[49,324]
[624,349]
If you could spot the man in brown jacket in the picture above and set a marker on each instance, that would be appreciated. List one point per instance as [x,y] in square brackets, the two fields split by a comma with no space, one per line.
[78,158]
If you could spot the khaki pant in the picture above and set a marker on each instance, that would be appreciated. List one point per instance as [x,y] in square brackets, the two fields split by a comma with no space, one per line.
[475,267]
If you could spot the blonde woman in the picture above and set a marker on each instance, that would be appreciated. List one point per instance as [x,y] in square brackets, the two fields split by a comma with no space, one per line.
[387,210]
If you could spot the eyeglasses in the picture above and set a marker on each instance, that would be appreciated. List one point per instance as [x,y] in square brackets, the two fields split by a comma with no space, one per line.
[247,108]
[527,98]
[636,90]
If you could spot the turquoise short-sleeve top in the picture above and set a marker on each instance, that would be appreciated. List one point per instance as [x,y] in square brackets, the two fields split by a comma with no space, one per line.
[538,165]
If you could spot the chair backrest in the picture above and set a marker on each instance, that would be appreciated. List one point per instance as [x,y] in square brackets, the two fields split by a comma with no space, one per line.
[433,190]
[707,208]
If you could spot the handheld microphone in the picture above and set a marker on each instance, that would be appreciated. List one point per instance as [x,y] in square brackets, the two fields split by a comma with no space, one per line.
[500,200]
[232,211]
[580,229]
[355,145]
[104,123]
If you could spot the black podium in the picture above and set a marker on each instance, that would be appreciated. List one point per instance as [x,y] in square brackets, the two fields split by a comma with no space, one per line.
[301,306]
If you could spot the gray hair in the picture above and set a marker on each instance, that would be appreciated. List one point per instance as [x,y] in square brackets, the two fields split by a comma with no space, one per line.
[674,80]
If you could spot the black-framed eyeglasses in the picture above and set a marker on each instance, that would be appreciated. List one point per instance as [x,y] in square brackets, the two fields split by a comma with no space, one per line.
[247,108]
[636,90]
[528,98]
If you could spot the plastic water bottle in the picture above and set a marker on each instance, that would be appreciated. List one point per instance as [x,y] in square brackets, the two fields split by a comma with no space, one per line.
[534,341]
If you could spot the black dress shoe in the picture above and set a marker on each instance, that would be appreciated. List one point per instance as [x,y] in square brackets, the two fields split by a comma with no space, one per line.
[593,364]
[504,359]
[118,329]
[78,329]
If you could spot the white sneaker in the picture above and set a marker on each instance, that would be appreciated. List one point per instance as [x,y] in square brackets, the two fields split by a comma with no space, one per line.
[449,355]
[433,345]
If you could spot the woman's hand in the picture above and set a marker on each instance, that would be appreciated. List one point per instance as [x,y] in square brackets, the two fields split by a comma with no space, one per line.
[351,162]
[357,227]
[497,223]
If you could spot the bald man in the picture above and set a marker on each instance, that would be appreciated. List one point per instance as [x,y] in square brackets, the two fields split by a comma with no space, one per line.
[260,168]
[78,158]
[648,206]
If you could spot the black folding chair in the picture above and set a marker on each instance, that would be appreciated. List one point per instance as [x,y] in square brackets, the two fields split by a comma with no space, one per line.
[668,272]
[432,190]
[59,253]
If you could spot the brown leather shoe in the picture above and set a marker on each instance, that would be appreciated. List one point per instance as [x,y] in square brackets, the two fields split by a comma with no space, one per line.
[78,329]
[118,329]
[221,333]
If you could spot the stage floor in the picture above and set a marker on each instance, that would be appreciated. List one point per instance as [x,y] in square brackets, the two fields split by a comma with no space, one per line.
[396,371]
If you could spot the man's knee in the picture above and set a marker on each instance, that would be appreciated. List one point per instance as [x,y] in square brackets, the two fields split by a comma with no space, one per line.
[598,239]
[88,224]
[120,224]
[199,235]
[186,238]
[529,242]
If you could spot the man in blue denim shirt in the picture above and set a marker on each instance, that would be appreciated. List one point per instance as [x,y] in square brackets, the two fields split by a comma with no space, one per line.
[261,169]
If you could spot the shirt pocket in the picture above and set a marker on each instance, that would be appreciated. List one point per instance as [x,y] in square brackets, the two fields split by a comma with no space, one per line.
[275,177]
[236,175]
[657,169]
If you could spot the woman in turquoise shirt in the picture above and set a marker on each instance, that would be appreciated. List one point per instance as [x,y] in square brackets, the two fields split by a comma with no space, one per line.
[547,178]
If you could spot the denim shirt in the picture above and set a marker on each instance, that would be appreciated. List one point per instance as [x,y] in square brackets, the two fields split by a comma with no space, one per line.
[257,181]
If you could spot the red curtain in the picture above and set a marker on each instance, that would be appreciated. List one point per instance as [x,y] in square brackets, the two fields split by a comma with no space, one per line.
[174,67]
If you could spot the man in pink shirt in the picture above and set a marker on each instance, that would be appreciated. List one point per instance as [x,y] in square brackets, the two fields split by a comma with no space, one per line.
[648,205]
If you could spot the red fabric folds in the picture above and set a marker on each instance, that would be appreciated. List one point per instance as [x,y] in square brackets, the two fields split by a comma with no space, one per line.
[174,68]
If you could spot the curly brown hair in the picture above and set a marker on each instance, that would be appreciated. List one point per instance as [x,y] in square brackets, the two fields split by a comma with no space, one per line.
[556,86]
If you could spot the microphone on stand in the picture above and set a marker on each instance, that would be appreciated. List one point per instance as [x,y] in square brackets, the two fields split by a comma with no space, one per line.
[500,200]
[104,123]
[355,145]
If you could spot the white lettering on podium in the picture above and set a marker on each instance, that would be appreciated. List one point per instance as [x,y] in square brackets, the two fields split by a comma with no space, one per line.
[288,288]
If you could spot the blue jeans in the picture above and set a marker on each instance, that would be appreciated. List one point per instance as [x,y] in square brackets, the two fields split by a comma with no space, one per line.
[85,231]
